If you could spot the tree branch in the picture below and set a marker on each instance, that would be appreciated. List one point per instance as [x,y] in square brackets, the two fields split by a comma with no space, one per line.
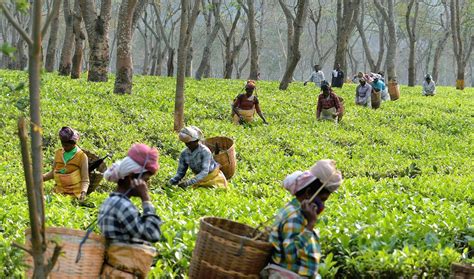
[16,25]
[19,246]
[54,11]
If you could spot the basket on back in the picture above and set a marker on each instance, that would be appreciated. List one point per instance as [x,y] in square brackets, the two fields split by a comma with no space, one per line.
[376,99]
[226,249]
[92,255]
[95,176]
[462,271]
[341,100]
[225,154]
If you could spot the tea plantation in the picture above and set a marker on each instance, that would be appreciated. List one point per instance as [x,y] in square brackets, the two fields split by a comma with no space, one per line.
[405,208]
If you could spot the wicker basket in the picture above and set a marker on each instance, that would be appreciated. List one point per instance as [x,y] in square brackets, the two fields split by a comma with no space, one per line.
[376,99]
[226,157]
[393,90]
[91,260]
[95,176]
[462,271]
[225,249]
[341,100]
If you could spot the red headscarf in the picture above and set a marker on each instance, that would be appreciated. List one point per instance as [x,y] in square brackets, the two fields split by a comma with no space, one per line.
[139,153]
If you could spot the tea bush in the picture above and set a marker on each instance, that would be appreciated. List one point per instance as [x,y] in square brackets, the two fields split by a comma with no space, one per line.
[405,208]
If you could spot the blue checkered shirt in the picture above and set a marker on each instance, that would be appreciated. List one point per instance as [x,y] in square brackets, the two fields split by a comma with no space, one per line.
[200,161]
[120,220]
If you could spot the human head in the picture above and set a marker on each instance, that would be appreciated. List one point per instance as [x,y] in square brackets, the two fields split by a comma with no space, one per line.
[338,66]
[305,184]
[360,75]
[250,87]
[381,73]
[428,77]
[191,136]
[362,81]
[317,67]
[68,137]
[140,159]
[325,87]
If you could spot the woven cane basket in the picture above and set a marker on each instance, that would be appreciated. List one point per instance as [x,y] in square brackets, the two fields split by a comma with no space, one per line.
[226,157]
[95,176]
[92,255]
[225,249]
[341,100]
[393,90]
[462,271]
[376,99]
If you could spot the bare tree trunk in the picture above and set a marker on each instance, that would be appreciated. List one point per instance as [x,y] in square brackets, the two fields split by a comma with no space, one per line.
[462,55]
[231,48]
[437,56]
[389,18]
[53,38]
[295,29]
[346,15]
[170,64]
[411,30]
[250,11]
[189,62]
[206,53]
[79,38]
[97,26]
[180,76]
[34,168]
[123,80]
[65,62]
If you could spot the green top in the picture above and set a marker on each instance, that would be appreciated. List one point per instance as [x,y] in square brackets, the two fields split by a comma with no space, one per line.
[67,156]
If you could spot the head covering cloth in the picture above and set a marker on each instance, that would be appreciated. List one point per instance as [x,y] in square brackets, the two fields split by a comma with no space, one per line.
[189,134]
[68,134]
[324,170]
[140,157]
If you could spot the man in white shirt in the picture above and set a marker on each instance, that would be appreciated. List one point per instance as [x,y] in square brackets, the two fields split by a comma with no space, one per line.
[317,76]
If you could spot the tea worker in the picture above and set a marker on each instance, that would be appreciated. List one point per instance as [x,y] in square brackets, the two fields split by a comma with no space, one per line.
[127,231]
[245,105]
[317,76]
[356,78]
[337,77]
[429,86]
[296,248]
[379,86]
[198,158]
[70,166]
[363,93]
[329,107]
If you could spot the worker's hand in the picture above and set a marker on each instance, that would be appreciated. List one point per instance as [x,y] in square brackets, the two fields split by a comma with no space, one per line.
[305,83]
[83,196]
[141,188]
[309,211]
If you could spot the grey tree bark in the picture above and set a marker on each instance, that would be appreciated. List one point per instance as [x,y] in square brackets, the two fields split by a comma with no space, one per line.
[97,26]
[346,17]
[65,62]
[124,75]
[295,29]
[53,38]
[388,15]
[254,65]
[185,34]
[410,22]
[232,48]
[204,65]
[79,38]
[441,42]
[461,46]
[375,66]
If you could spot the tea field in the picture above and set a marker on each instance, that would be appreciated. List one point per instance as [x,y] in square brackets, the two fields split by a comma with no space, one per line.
[405,208]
